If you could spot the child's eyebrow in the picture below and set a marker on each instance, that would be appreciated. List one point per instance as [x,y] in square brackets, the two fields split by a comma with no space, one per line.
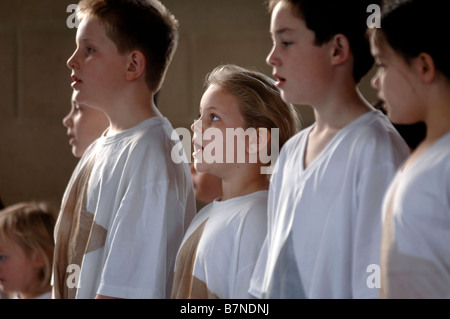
[209,108]
[84,40]
[283,31]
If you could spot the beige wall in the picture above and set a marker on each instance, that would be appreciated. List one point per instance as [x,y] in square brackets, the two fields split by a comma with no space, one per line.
[35,43]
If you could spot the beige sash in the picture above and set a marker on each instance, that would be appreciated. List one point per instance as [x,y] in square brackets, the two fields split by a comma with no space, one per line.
[72,235]
[186,285]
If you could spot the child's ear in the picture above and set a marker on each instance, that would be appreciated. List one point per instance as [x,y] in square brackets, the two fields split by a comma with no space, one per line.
[135,66]
[259,141]
[340,49]
[425,67]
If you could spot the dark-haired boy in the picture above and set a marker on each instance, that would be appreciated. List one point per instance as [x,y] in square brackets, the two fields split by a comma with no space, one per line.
[327,189]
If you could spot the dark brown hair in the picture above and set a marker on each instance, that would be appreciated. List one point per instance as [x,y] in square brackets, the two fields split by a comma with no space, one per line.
[143,25]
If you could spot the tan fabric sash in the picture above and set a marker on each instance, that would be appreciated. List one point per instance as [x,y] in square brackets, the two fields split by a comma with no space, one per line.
[72,235]
[186,285]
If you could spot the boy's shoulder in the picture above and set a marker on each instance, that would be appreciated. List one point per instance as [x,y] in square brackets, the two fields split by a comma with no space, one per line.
[376,126]
[151,138]
[156,128]
[373,130]
[438,156]
[296,139]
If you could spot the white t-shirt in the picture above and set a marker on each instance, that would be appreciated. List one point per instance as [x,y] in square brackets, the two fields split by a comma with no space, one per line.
[45,295]
[415,255]
[325,221]
[220,249]
[138,205]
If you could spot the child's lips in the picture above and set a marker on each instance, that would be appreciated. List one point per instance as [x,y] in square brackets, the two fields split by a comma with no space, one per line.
[76,81]
[197,149]
[71,139]
[279,80]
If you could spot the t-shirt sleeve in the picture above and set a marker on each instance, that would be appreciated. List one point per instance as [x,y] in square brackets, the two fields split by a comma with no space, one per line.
[249,240]
[367,222]
[139,247]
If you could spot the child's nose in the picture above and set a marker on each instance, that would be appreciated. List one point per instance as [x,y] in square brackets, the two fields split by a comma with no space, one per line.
[71,62]
[196,126]
[271,58]
[67,120]
[375,83]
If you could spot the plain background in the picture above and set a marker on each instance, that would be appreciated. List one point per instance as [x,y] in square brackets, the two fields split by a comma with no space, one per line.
[35,42]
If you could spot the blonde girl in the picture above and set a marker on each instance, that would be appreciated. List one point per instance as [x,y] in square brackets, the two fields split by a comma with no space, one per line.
[222,244]
[26,250]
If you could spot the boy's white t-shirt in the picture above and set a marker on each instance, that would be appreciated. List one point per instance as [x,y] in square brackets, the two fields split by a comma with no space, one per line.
[324,222]
[220,249]
[415,255]
[139,204]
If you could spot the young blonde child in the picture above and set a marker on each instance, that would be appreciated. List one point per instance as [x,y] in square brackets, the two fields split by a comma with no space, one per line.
[326,192]
[413,78]
[84,125]
[127,204]
[26,250]
[220,248]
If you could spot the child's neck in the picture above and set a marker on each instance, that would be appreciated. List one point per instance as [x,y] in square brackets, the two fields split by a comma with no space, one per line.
[437,118]
[340,110]
[331,117]
[128,115]
[437,121]
[249,181]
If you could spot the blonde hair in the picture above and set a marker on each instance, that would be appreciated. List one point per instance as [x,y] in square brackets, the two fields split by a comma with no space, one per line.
[30,225]
[260,101]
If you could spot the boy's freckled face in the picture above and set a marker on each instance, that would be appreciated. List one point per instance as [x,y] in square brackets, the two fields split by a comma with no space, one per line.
[98,70]
[298,64]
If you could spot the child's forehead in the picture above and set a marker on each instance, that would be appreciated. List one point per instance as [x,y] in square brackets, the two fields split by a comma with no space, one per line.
[7,244]
[283,19]
[218,98]
[216,91]
[379,47]
[91,29]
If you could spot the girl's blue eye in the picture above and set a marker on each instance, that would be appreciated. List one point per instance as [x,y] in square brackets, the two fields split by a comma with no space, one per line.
[214,117]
